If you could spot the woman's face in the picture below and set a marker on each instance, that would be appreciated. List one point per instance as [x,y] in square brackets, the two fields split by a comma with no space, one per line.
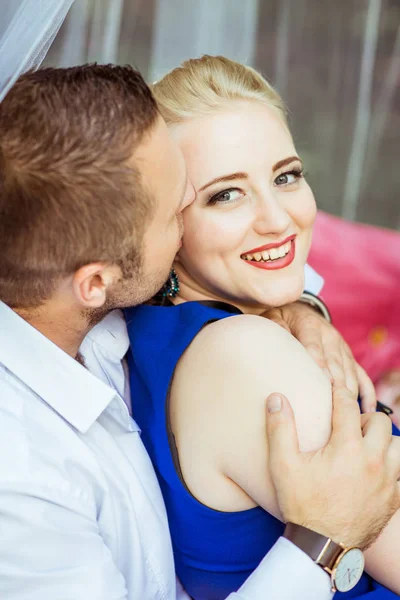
[248,232]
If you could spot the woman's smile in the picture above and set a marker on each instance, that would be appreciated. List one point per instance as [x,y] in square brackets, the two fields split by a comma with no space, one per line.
[272,256]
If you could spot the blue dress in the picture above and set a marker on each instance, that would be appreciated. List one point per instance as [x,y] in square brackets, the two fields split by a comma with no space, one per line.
[214,551]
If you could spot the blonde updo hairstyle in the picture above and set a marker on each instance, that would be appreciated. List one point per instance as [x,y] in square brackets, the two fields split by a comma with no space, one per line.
[201,86]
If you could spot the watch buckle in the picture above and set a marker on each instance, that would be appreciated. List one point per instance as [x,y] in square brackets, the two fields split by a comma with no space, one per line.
[320,561]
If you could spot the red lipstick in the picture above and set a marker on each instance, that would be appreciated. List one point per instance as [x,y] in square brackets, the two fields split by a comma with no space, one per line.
[277,263]
[268,246]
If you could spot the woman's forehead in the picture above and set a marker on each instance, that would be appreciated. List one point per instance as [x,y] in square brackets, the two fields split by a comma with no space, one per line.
[240,139]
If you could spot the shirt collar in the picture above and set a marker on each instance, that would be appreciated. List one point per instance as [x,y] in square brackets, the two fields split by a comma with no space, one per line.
[313,282]
[70,389]
[111,334]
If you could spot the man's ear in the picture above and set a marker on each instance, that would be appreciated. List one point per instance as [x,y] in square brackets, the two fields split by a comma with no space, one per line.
[91,282]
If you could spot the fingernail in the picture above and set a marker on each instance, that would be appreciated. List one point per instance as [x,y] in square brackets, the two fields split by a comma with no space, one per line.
[274,403]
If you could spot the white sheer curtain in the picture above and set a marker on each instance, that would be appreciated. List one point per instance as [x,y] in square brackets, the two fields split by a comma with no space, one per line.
[225,27]
[91,33]
[27,29]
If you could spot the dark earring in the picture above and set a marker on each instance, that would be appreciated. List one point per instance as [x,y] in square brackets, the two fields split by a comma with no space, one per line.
[171,287]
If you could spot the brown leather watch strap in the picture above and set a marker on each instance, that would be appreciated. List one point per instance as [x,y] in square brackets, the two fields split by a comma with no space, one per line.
[319,548]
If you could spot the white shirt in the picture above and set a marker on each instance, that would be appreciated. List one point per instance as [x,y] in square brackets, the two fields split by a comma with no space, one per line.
[81,513]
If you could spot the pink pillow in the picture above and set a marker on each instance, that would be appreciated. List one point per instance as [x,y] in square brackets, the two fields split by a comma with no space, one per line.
[361,267]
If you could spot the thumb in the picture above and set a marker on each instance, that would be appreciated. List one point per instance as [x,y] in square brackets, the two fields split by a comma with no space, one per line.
[283,442]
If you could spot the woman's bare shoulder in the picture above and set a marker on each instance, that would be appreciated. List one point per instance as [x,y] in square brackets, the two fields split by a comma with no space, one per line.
[220,387]
[240,360]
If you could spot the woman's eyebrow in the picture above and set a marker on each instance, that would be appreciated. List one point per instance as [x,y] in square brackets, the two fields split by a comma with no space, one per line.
[285,161]
[242,175]
[224,178]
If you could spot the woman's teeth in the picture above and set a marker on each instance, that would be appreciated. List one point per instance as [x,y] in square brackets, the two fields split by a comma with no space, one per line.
[271,254]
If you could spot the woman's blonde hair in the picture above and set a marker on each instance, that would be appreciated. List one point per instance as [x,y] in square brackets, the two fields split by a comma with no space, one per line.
[204,85]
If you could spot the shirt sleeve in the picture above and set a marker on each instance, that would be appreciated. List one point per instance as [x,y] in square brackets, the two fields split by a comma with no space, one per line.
[313,282]
[50,545]
[286,573]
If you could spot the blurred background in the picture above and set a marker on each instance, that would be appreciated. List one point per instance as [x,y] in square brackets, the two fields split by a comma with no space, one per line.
[336,64]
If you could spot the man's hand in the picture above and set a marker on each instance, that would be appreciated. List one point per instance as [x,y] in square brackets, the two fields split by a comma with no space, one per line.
[327,347]
[348,490]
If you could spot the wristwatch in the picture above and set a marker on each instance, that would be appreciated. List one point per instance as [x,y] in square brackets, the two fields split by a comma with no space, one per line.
[315,302]
[344,565]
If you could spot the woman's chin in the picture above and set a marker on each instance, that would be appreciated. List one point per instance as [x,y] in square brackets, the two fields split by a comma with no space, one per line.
[281,295]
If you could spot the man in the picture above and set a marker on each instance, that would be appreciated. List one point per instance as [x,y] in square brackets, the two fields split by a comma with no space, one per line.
[91,192]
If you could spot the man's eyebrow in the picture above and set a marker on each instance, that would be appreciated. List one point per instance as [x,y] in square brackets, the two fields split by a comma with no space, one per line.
[224,178]
[285,161]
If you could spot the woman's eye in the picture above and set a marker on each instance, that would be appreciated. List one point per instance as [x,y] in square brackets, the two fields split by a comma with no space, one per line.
[226,196]
[288,178]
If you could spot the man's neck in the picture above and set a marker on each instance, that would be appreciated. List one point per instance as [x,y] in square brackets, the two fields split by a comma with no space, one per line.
[61,325]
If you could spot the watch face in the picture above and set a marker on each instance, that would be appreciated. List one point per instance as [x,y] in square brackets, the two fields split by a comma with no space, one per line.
[348,570]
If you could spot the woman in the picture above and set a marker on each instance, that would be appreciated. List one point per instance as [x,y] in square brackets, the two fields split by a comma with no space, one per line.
[202,365]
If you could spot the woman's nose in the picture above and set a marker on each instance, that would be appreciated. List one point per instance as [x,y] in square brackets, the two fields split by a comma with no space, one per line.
[271,216]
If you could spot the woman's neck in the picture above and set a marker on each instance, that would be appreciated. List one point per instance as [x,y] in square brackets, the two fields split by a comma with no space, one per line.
[190,294]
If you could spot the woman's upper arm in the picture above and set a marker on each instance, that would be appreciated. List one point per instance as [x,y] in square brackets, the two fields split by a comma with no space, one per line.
[221,384]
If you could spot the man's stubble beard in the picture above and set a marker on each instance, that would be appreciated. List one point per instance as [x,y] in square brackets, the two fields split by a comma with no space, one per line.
[132,289]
